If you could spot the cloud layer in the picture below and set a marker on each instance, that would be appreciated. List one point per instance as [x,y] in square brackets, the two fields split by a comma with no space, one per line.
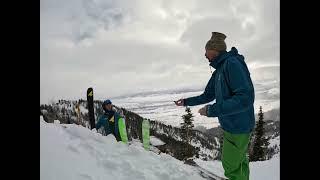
[128,46]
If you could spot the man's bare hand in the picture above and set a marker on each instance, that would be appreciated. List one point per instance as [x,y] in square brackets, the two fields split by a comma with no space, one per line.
[179,102]
[203,111]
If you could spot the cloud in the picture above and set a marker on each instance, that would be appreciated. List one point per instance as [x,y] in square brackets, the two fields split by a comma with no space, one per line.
[129,46]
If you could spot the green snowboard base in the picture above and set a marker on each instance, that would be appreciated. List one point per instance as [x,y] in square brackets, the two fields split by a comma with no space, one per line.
[123,130]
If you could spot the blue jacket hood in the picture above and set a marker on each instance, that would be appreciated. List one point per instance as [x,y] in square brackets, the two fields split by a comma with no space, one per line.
[224,55]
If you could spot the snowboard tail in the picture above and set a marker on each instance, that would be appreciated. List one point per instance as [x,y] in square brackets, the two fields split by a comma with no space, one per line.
[123,130]
[91,108]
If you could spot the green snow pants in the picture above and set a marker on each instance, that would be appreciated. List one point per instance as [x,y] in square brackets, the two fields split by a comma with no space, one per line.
[234,156]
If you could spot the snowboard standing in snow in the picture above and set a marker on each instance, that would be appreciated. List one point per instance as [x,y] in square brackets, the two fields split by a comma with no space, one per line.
[90,107]
[123,130]
[146,134]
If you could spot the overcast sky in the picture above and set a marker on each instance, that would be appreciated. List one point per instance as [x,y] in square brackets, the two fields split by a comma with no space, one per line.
[128,46]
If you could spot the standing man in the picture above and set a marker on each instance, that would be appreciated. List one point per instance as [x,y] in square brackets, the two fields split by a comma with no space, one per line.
[231,86]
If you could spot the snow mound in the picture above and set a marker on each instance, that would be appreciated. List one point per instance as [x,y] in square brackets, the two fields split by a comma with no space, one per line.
[72,152]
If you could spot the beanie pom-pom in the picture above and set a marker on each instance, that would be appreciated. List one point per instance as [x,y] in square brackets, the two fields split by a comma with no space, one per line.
[218,36]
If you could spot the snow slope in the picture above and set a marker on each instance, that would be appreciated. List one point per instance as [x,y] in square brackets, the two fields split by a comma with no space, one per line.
[72,152]
[260,170]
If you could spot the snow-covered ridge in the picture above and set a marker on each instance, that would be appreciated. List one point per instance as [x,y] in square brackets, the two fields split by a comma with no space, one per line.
[72,152]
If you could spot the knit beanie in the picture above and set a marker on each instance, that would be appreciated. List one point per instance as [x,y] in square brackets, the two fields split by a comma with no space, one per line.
[217,42]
